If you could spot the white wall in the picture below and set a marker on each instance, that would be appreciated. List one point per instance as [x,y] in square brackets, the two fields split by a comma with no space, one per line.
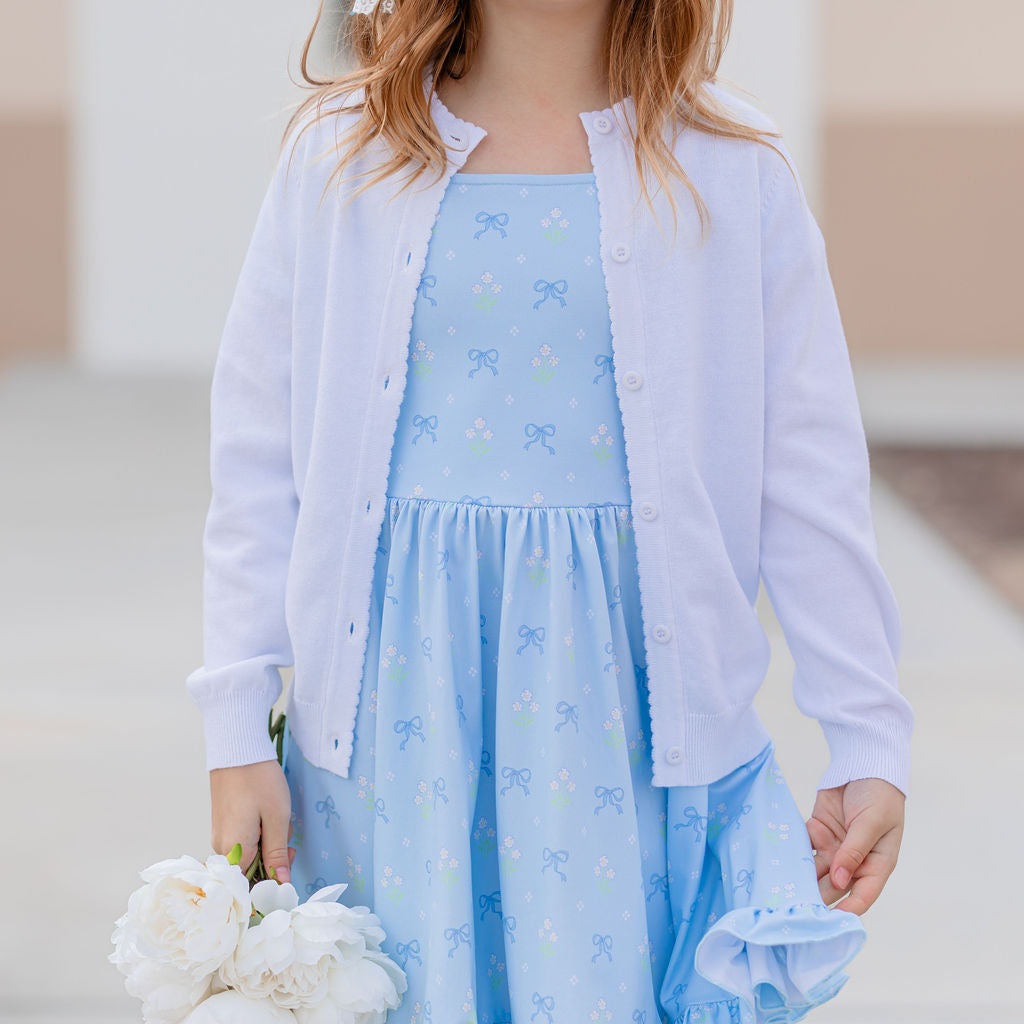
[775,53]
[176,115]
[176,111]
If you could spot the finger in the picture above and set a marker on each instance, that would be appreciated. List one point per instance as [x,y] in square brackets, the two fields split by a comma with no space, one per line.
[861,837]
[864,892]
[275,846]
[824,843]
[829,893]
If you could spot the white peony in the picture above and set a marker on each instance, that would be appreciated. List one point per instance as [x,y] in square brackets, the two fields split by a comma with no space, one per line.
[167,992]
[230,1007]
[320,959]
[178,929]
[360,991]
[286,956]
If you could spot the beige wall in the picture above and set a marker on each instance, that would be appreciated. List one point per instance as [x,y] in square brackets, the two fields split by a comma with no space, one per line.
[894,58]
[34,177]
[923,160]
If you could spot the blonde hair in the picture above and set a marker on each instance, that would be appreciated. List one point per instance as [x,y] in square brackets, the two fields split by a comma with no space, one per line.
[659,52]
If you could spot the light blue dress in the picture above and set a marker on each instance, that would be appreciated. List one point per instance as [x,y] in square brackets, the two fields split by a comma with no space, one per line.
[499,815]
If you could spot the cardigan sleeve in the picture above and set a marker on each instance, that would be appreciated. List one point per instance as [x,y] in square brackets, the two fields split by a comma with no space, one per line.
[818,554]
[251,517]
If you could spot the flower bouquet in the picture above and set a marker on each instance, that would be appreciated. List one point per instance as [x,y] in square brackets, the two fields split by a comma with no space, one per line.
[203,942]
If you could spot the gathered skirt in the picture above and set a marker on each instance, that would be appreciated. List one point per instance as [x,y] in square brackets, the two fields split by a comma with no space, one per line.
[499,814]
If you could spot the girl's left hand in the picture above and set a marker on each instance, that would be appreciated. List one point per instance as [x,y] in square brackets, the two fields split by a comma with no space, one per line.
[856,830]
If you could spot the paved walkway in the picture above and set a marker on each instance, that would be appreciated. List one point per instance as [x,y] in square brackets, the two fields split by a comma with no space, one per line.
[100,539]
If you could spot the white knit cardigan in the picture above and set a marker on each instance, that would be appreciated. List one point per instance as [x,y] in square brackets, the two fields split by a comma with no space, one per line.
[745,450]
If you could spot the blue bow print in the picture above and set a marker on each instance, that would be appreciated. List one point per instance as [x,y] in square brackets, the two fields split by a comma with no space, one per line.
[519,777]
[677,994]
[457,935]
[605,362]
[437,790]
[658,883]
[544,1004]
[407,950]
[605,794]
[485,357]
[693,820]
[378,805]
[427,281]
[570,560]
[497,221]
[571,712]
[552,858]
[536,432]
[744,877]
[458,704]
[485,762]
[604,945]
[425,645]
[425,423]
[509,923]
[442,564]
[549,288]
[412,726]
[317,883]
[326,808]
[490,902]
[533,636]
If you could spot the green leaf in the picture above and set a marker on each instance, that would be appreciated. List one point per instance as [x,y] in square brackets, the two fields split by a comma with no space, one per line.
[235,854]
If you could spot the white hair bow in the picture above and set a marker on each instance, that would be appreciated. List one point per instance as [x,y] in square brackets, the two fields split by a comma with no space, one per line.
[367,6]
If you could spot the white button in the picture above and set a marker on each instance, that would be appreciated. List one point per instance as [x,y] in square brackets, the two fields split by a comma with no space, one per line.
[632,380]
[661,633]
[673,755]
[648,511]
[620,252]
[603,124]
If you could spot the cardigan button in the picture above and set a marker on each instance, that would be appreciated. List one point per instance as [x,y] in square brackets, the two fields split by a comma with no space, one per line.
[648,511]
[673,755]
[661,633]
[603,124]
[632,380]
[620,252]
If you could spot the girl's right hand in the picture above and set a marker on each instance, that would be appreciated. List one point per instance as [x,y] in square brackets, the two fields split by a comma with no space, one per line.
[250,801]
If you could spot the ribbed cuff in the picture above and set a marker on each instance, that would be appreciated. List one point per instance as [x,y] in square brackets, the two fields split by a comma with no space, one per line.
[236,732]
[235,702]
[878,750]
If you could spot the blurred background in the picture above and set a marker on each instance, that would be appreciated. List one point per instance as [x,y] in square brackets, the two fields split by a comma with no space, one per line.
[137,142]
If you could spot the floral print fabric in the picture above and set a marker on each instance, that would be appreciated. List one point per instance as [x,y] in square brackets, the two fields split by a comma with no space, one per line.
[499,815]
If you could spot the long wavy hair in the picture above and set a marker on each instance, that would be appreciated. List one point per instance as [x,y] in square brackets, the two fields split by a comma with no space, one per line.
[658,52]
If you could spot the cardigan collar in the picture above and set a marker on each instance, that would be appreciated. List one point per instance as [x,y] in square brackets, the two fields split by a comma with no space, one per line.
[466,135]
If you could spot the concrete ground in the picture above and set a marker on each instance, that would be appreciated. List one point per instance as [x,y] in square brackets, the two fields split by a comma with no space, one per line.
[100,532]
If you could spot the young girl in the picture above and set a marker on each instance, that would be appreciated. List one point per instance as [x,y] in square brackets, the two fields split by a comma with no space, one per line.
[498,465]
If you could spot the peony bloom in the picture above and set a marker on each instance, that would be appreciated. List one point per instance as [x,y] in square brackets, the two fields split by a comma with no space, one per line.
[168,993]
[230,1007]
[360,991]
[178,929]
[293,955]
